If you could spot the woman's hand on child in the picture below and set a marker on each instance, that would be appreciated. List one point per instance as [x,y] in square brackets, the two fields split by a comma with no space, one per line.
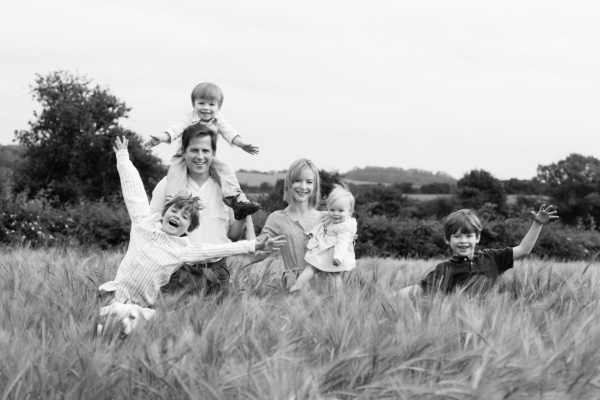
[249,148]
[120,144]
[544,215]
[336,262]
[268,244]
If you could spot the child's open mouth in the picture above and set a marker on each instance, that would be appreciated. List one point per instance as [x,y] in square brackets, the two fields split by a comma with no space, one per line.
[174,223]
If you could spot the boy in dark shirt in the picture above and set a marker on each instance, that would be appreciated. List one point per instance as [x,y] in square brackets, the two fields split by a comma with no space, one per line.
[462,230]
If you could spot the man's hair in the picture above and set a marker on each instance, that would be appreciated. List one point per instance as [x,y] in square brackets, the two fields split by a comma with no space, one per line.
[208,91]
[188,203]
[465,221]
[198,130]
[293,173]
[339,192]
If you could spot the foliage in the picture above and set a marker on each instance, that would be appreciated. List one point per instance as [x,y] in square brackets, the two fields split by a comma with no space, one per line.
[38,222]
[68,148]
[436,188]
[574,184]
[533,333]
[478,187]
[524,186]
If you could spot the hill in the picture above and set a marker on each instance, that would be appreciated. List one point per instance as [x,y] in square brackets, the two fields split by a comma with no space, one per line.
[417,177]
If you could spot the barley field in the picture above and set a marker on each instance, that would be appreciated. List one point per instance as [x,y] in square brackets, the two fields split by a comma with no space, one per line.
[536,335]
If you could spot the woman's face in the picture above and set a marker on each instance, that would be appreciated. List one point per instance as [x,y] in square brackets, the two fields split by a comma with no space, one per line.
[303,186]
[199,156]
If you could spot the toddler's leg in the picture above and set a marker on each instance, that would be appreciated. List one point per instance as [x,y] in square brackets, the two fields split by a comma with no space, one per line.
[232,192]
[305,276]
[229,183]
[177,176]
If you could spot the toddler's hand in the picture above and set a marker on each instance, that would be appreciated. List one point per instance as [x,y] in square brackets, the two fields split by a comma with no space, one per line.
[251,149]
[153,141]
[336,262]
[120,144]
[544,215]
[268,244]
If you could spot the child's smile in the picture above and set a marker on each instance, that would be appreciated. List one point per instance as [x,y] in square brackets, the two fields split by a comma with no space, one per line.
[463,244]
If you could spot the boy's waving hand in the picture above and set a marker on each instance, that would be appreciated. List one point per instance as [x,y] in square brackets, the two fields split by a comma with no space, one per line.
[544,215]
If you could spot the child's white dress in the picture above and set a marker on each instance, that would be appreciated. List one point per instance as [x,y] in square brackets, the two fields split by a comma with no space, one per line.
[328,241]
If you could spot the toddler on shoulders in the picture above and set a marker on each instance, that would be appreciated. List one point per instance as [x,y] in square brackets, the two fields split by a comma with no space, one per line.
[207,99]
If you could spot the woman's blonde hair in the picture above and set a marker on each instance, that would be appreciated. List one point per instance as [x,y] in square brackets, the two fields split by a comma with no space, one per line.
[293,173]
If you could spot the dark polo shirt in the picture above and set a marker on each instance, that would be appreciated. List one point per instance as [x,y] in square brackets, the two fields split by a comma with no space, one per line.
[485,267]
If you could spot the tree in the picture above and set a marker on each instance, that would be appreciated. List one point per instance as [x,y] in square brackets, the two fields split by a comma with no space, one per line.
[68,148]
[574,184]
[478,187]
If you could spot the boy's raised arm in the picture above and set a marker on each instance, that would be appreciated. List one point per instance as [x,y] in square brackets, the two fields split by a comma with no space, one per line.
[543,216]
[134,194]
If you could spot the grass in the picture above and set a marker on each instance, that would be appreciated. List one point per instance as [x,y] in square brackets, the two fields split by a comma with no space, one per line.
[535,335]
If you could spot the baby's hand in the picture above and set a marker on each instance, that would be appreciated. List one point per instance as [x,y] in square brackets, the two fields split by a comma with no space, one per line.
[268,244]
[336,262]
[120,144]
[251,149]
[544,215]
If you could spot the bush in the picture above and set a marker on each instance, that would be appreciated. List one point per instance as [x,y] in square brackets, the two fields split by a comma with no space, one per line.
[103,224]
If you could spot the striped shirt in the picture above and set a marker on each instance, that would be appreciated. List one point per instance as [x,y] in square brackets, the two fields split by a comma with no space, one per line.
[153,255]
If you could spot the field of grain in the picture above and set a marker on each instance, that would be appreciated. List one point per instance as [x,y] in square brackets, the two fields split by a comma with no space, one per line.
[536,335]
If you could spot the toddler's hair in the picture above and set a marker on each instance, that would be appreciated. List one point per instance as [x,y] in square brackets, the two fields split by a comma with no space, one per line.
[293,173]
[465,221]
[208,91]
[188,203]
[338,192]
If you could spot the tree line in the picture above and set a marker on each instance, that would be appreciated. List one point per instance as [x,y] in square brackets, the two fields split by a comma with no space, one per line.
[66,159]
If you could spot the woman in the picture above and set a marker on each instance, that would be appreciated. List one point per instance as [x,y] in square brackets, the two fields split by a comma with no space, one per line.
[218,225]
[302,193]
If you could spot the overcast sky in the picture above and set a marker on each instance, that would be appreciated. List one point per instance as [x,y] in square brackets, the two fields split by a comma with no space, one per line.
[437,85]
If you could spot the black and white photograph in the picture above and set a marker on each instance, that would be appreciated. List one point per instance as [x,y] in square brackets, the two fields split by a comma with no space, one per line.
[300,200]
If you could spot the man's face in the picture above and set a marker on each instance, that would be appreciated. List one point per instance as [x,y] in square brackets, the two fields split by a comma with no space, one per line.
[176,221]
[463,244]
[206,109]
[199,156]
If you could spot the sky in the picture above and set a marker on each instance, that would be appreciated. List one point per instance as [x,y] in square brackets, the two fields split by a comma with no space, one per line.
[440,85]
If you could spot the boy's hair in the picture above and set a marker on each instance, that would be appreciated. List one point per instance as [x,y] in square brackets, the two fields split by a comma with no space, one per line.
[188,203]
[208,91]
[293,173]
[465,221]
[338,192]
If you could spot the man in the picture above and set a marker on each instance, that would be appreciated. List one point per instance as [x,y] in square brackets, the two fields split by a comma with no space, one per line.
[217,222]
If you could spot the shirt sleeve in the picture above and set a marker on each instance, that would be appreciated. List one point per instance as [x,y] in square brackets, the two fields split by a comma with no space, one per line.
[199,252]
[271,227]
[439,278]
[503,258]
[176,129]
[134,194]
[226,130]
[157,202]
